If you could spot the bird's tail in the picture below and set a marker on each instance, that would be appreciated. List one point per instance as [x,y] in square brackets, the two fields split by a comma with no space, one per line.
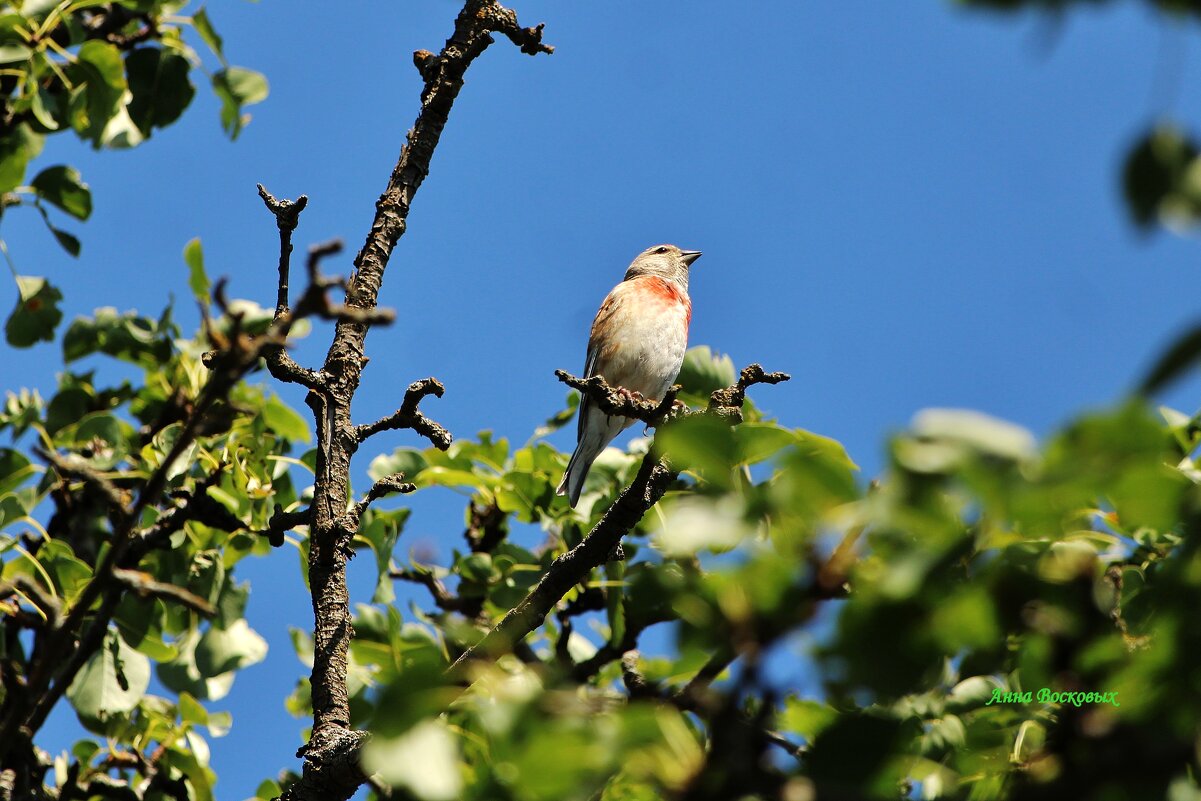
[577,470]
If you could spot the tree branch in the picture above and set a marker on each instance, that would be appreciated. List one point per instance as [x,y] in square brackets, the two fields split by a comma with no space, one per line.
[617,401]
[282,366]
[63,656]
[409,416]
[443,598]
[287,217]
[144,585]
[728,402]
[331,768]
[574,566]
[71,466]
[282,522]
[388,485]
[23,585]
[654,476]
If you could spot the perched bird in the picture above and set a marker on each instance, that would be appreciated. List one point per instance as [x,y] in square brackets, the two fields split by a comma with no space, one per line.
[638,341]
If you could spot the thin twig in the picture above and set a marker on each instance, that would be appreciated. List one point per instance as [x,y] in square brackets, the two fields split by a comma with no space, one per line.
[145,586]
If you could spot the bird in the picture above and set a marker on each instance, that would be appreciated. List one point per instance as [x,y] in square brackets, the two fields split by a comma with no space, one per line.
[637,344]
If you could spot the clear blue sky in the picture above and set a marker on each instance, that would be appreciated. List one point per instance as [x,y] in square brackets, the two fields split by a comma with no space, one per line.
[902,204]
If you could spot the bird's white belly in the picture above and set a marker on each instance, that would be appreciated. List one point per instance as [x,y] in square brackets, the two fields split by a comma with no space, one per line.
[649,352]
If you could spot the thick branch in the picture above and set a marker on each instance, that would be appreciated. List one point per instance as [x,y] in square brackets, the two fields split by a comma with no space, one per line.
[443,76]
[331,770]
[315,300]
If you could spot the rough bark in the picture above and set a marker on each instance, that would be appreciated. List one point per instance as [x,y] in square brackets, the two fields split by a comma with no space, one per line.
[331,756]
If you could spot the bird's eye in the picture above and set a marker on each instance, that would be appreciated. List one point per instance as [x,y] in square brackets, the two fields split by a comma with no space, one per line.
[660,249]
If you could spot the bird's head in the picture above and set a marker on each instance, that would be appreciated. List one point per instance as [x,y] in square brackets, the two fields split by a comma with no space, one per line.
[664,261]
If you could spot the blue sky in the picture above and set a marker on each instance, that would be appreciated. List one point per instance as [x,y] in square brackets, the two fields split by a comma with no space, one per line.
[902,204]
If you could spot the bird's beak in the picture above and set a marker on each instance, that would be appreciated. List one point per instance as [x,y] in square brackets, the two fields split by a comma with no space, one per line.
[689,256]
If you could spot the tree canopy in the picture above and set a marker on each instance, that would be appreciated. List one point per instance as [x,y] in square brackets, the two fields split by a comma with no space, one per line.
[992,617]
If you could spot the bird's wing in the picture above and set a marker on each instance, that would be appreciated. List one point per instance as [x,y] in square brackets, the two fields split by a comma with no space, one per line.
[596,344]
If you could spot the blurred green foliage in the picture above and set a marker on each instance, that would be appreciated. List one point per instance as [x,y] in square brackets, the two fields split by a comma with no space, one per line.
[944,607]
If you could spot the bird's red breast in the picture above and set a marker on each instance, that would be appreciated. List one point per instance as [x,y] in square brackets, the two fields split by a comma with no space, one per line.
[670,293]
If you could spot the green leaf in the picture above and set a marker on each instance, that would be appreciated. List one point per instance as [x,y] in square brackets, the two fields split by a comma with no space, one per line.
[70,573]
[139,621]
[702,445]
[159,85]
[37,313]
[965,619]
[17,148]
[204,27]
[62,186]
[978,432]
[268,789]
[703,371]
[198,280]
[424,760]
[39,105]
[14,52]
[99,75]
[475,567]
[68,242]
[971,693]
[409,461]
[237,88]
[284,421]
[138,340]
[231,605]
[112,681]
[853,752]
[1182,356]
[15,470]
[381,532]
[758,442]
[1157,179]
[695,523]
[182,675]
[224,650]
[104,437]
[806,718]
[37,9]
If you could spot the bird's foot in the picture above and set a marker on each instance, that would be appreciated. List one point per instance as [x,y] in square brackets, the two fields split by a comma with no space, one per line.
[628,394]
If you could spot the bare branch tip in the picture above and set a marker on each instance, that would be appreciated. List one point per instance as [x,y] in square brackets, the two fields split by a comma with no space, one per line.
[287,212]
